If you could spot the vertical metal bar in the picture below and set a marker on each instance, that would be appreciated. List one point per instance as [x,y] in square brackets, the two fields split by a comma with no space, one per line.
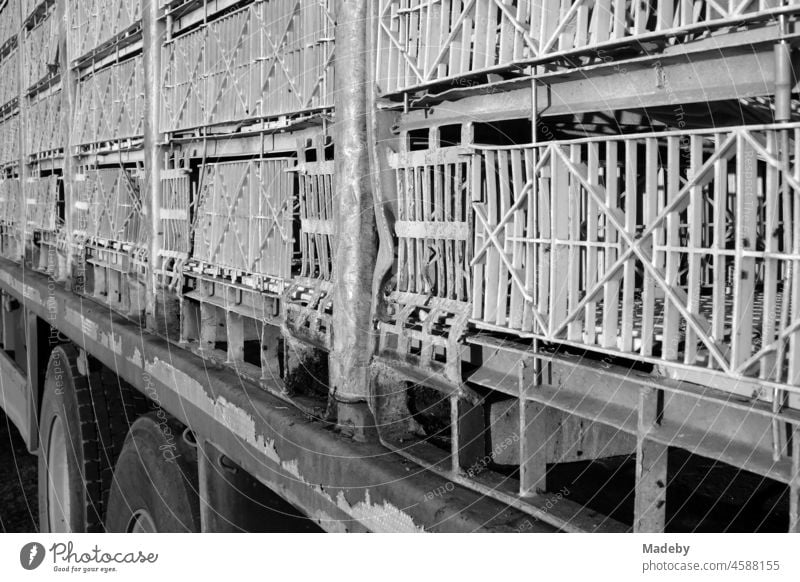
[651,468]
[21,135]
[649,212]
[672,317]
[629,270]
[153,32]
[611,288]
[694,246]
[69,89]
[575,327]
[533,433]
[356,243]
[745,266]
[794,485]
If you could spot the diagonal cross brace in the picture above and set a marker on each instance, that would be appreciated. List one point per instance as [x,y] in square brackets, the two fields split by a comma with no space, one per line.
[675,296]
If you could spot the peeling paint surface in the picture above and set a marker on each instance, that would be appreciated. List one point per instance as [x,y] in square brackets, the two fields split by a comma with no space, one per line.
[380,518]
[292,468]
[12,282]
[231,416]
[112,341]
[52,306]
[32,294]
[87,326]
[136,359]
[185,386]
[328,523]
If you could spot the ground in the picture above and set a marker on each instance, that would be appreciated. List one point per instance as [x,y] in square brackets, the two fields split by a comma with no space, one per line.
[18,503]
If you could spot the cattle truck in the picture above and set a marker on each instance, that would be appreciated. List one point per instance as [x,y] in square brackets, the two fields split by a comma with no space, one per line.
[403,265]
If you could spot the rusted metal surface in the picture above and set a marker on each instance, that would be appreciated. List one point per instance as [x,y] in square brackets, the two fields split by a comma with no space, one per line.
[323,474]
[589,239]
[252,224]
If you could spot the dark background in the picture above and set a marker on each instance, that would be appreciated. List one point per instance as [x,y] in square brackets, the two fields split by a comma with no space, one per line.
[18,503]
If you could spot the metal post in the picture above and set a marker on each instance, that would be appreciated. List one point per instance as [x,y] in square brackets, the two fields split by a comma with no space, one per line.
[75,278]
[23,167]
[651,468]
[153,31]
[356,238]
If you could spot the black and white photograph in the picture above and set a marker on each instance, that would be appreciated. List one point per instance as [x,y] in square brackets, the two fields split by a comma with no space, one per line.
[485,267]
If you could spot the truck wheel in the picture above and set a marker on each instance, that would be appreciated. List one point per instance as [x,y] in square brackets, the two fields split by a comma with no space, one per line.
[155,481]
[82,426]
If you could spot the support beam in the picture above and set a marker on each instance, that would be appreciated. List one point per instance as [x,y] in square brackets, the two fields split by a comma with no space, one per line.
[323,476]
[533,448]
[23,171]
[234,322]
[74,272]
[232,501]
[153,31]
[651,468]
[356,238]
[657,81]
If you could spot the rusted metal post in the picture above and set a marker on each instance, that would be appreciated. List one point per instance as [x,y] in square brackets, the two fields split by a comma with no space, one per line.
[356,239]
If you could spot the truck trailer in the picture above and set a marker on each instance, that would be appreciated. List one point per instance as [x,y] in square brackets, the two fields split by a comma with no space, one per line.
[403,265]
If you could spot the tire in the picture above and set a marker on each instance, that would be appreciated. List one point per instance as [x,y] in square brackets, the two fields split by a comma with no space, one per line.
[155,481]
[82,425]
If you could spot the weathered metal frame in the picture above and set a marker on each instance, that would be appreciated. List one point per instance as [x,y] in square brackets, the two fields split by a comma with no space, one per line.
[699,71]
[219,73]
[215,407]
[557,32]
[323,474]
